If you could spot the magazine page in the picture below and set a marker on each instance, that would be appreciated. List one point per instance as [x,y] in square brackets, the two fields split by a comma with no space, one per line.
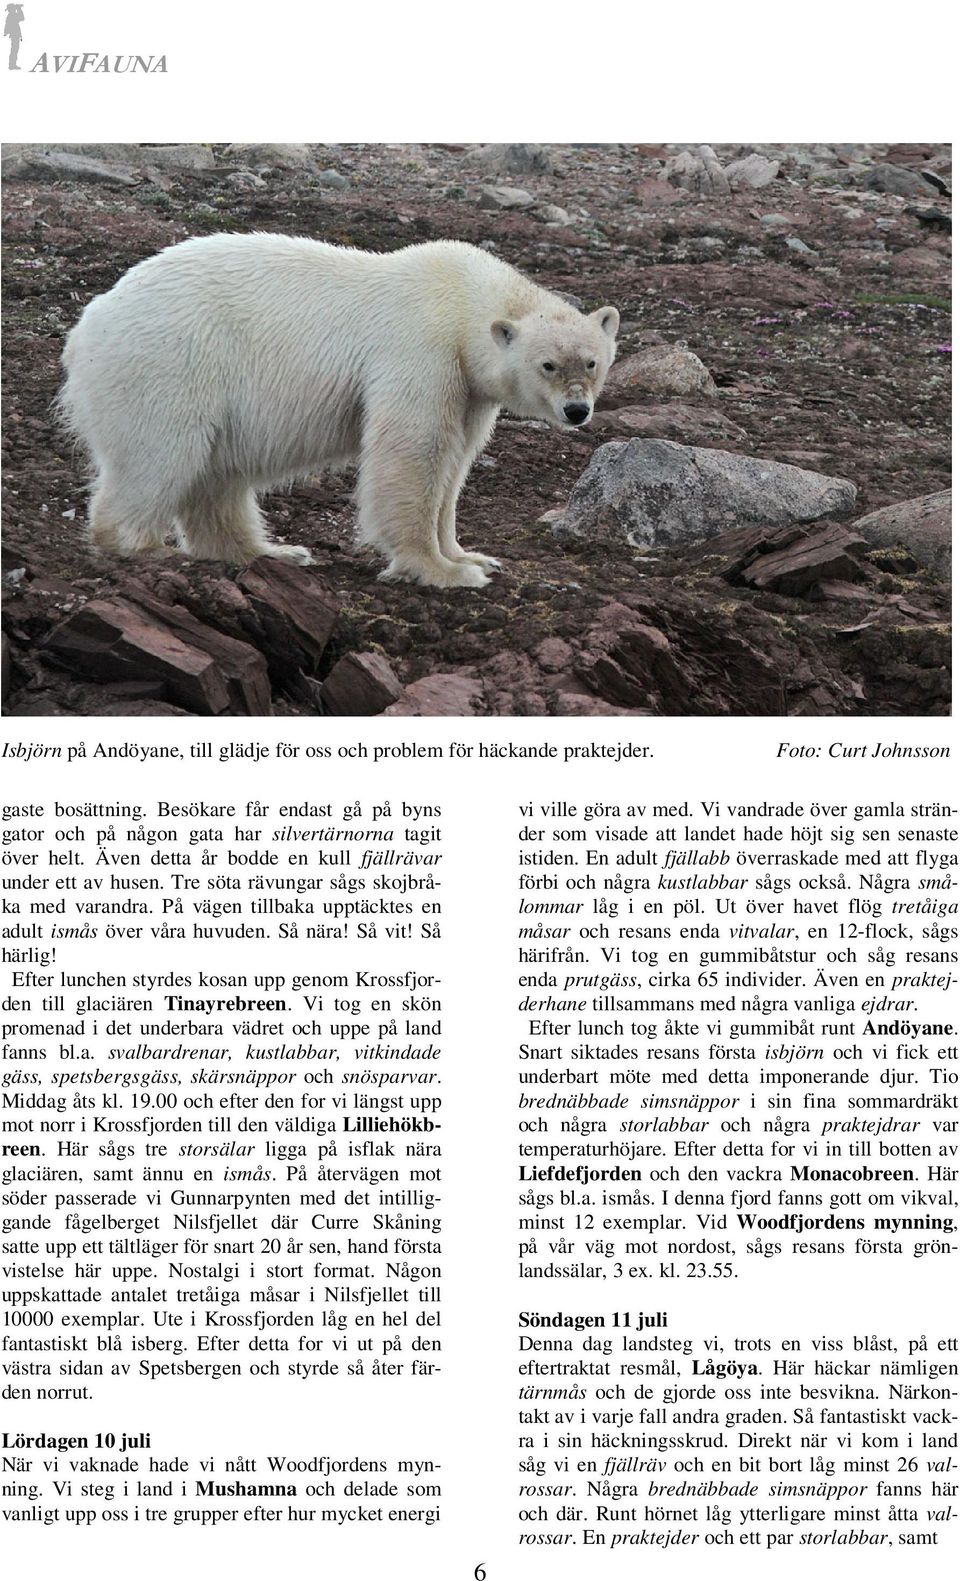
[480,1061]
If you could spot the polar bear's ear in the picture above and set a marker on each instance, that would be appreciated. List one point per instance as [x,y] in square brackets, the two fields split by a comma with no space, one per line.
[504,331]
[608,319]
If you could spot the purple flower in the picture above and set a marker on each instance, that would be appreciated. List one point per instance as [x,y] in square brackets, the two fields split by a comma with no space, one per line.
[946,348]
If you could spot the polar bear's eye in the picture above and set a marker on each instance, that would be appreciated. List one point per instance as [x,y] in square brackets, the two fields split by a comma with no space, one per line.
[591,366]
[549,367]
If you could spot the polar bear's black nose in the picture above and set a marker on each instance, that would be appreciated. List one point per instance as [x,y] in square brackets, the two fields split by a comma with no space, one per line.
[576,411]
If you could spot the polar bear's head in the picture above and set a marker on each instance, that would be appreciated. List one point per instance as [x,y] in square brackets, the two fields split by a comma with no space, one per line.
[554,368]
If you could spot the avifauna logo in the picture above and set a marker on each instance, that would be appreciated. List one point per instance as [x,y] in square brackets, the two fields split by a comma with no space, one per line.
[11,30]
[91,62]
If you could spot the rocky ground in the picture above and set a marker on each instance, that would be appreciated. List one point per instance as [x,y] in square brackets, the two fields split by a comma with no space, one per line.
[809,286]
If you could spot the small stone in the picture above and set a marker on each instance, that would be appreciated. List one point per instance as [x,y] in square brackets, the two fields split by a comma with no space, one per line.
[706,247]
[244,181]
[505,198]
[551,214]
[931,218]
[661,370]
[652,192]
[332,178]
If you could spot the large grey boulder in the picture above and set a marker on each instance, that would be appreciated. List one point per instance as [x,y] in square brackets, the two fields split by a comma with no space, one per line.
[54,164]
[178,156]
[921,525]
[112,153]
[281,156]
[516,159]
[752,171]
[701,172]
[896,180]
[653,493]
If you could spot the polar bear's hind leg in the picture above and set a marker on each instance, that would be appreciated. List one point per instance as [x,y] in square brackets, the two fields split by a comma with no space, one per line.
[122,524]
[221,520]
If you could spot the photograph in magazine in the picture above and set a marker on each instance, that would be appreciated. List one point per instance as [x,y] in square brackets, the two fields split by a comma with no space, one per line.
[476,429]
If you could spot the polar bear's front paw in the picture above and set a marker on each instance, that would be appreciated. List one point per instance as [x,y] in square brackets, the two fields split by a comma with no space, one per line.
[436,573]
[486,562]
[289,551]
[468,573]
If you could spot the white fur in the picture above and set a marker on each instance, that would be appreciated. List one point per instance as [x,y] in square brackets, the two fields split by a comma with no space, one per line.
[228,365]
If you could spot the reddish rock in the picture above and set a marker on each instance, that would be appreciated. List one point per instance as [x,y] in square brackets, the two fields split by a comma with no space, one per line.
[629,663]
[653,191]
[243,667]
[438,695]
[113,640]
[703,425]
[920,260]
[296,609]
[554,655]
[662,657]
[848,592]
[582,705]
[360,684]
[513,684]
[798,559]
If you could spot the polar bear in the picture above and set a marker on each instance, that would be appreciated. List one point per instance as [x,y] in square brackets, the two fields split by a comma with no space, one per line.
[228,365]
